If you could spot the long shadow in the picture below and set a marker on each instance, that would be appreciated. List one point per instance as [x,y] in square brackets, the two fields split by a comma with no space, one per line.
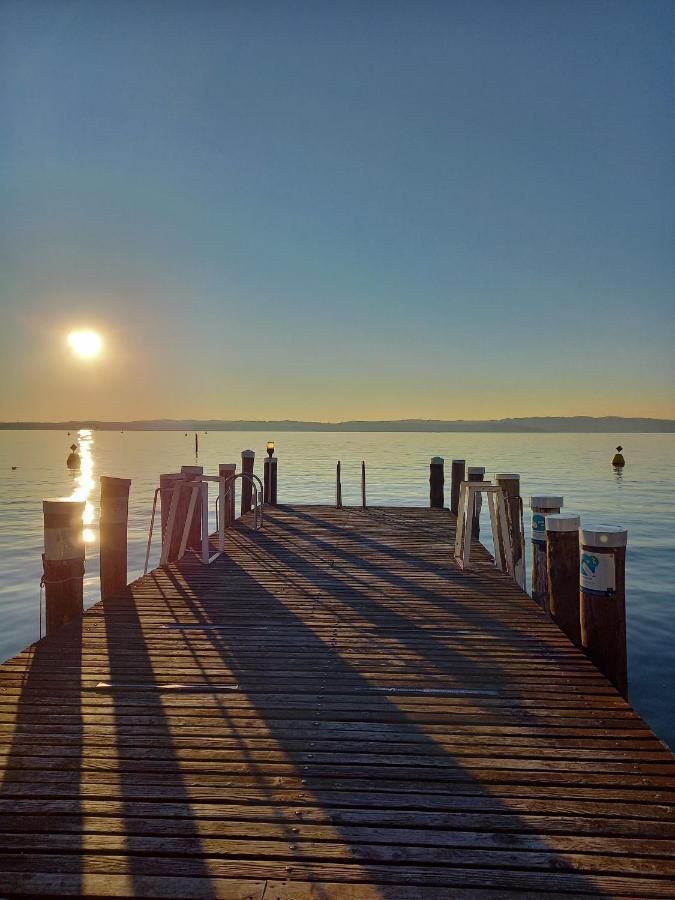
[43,767]
[339,707]
[134,691]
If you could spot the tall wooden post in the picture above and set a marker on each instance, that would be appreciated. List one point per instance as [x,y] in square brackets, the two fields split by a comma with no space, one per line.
[510,484]
[195,533]
[436,482]
[270,480]
[338,485]
[247,463]
[476,473]
[196,445]
[167,485]
[228,470]
[273,481]
[113,534]
[363,484]
[456,478]
[562,573]
[602,600]
[63,561]
[541,506]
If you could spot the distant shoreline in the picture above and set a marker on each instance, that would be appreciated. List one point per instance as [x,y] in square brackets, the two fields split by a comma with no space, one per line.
[531,425]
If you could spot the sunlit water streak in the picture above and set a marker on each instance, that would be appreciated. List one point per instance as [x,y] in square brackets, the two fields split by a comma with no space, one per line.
[576,466]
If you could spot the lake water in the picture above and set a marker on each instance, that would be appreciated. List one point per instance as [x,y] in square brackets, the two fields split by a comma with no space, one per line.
[574,465]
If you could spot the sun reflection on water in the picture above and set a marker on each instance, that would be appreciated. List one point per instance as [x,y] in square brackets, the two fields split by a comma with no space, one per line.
[84,483]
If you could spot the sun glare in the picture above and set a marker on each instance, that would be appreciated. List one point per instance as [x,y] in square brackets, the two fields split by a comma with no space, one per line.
[85,343]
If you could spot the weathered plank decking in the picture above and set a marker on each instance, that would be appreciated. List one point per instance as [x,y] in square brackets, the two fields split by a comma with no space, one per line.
[332,710]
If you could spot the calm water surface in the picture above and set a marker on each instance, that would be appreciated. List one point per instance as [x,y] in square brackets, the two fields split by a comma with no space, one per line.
[574,465]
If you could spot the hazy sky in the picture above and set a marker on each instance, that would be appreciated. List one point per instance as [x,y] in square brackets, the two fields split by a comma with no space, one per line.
[337,210]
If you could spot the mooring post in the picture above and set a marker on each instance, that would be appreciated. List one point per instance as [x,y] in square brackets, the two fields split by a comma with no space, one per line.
[191,473]
[247,463]
[510,484]
[338,486]
[196,445]
[63,561]
[456,478]
[436,482]
[562,573]
[228,470]
[475,473]
[167,485]
[602,600]
[270,480]
[113,520]
[363,484]
[541,507]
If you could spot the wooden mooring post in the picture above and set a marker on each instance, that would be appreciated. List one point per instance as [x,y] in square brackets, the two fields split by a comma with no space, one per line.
[510,484]
[247,463]
[338,485]
[602,600]
[363,484]
[168,483]
[541,506]
[62,561]
[562,573]
[270,480]
[228,470]
[436,483]
[113,522]
[190,473]
[456,478]
[476,473]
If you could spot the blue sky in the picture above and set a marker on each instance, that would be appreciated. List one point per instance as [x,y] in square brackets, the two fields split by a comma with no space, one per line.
[338,210]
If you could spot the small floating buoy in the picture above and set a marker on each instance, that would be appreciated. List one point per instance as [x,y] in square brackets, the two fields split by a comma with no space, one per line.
[73,461]
[617,460]
[14,468]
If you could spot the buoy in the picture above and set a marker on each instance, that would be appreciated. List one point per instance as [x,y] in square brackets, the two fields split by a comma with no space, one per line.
[73,461]
[14,468]
[617,460]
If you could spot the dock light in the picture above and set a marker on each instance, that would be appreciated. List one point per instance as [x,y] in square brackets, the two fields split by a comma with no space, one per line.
[270,449]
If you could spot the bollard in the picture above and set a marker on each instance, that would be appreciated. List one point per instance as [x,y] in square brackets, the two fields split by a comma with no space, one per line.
[196,445]
[363,484]
[247,463]
[510,484]
[476,473]
[195,533]
[541,506]
[228,470]
[436,482]
[602,600]
[338,486]
[113,535]
[63,561]
[270,480]
[456,478]
[167,485]
[562,573]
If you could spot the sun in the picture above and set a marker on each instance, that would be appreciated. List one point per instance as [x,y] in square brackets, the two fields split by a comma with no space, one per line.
[85,343]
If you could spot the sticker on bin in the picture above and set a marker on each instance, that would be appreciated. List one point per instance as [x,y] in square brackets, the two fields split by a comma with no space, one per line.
[538,528]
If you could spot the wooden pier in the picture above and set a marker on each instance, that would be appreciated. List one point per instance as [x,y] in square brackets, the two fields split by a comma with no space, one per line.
[332,710]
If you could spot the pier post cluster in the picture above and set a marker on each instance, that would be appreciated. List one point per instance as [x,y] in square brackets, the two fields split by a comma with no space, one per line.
[578,573]
[64,547]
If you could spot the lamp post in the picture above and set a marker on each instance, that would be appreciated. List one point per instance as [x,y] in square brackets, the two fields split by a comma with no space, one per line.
[270,475]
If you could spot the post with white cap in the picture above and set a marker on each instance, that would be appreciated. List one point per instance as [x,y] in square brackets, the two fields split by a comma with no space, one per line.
[456,479]
[436,482]
[247,462]
[510,484]
[113,520]
[63,561]
[562,573]
[228,470]
[602,600]
[541,507]
[195,533]
[476,473]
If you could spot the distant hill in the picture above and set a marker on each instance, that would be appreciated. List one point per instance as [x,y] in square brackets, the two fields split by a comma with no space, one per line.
[535,424]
